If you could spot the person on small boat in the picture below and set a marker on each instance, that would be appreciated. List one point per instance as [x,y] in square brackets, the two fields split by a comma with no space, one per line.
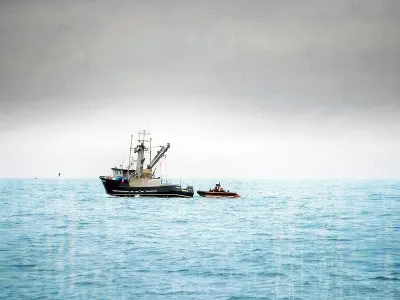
[218,188]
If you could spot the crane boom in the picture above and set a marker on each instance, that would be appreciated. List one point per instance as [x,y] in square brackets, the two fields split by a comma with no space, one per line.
[158,156]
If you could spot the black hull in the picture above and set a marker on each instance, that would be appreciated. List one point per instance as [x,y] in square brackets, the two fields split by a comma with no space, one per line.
[122,189]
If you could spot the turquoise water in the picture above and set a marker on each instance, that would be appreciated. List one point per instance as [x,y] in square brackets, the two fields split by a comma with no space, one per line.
[283,239]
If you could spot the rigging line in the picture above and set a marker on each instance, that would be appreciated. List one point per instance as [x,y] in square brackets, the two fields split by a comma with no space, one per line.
[156,146]
[166,169]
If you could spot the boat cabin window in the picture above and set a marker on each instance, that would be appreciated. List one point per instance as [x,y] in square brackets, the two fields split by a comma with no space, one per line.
[117,172]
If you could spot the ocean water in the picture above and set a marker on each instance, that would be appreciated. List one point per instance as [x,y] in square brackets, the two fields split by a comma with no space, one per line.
[283,239]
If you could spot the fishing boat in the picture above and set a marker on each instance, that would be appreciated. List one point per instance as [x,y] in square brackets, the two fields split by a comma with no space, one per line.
[218,192]
[141,181]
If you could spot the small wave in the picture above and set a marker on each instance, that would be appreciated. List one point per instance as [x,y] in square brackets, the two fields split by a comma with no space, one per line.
[385,278]
[221,274]
[179,271]
[271,274]
[244,297]
[88,283]
[83,223]
[386,215]
[395,273]
[338,239]
[262,234]
[187,293]
[46,270]
[26,215]
[257,250]
[180,221]
[346,218]
[23,266]
[58,234]
[312,260]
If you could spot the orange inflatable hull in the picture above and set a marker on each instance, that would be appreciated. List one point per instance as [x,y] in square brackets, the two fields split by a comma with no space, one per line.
[218,194]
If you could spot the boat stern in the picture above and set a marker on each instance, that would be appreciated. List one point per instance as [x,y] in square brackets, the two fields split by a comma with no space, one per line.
[188,191]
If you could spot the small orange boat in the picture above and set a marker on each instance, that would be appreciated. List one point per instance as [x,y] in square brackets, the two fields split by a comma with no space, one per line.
[218,192]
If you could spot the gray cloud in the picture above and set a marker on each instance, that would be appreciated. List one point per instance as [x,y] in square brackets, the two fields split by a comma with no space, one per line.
[279,69]
[292,56]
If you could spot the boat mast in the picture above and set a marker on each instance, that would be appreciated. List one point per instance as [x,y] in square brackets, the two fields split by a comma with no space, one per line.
[130,151]
[150,157]
[140,148]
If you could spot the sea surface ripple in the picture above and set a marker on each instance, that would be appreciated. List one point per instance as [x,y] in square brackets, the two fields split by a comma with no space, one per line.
[283,239]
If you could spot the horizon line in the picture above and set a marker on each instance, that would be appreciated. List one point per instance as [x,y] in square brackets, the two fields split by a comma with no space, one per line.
[221,178]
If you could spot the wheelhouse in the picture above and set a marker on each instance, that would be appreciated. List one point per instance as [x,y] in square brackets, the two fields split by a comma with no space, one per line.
[122,172]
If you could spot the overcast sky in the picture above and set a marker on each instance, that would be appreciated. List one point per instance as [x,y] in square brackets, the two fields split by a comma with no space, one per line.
[251,89]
